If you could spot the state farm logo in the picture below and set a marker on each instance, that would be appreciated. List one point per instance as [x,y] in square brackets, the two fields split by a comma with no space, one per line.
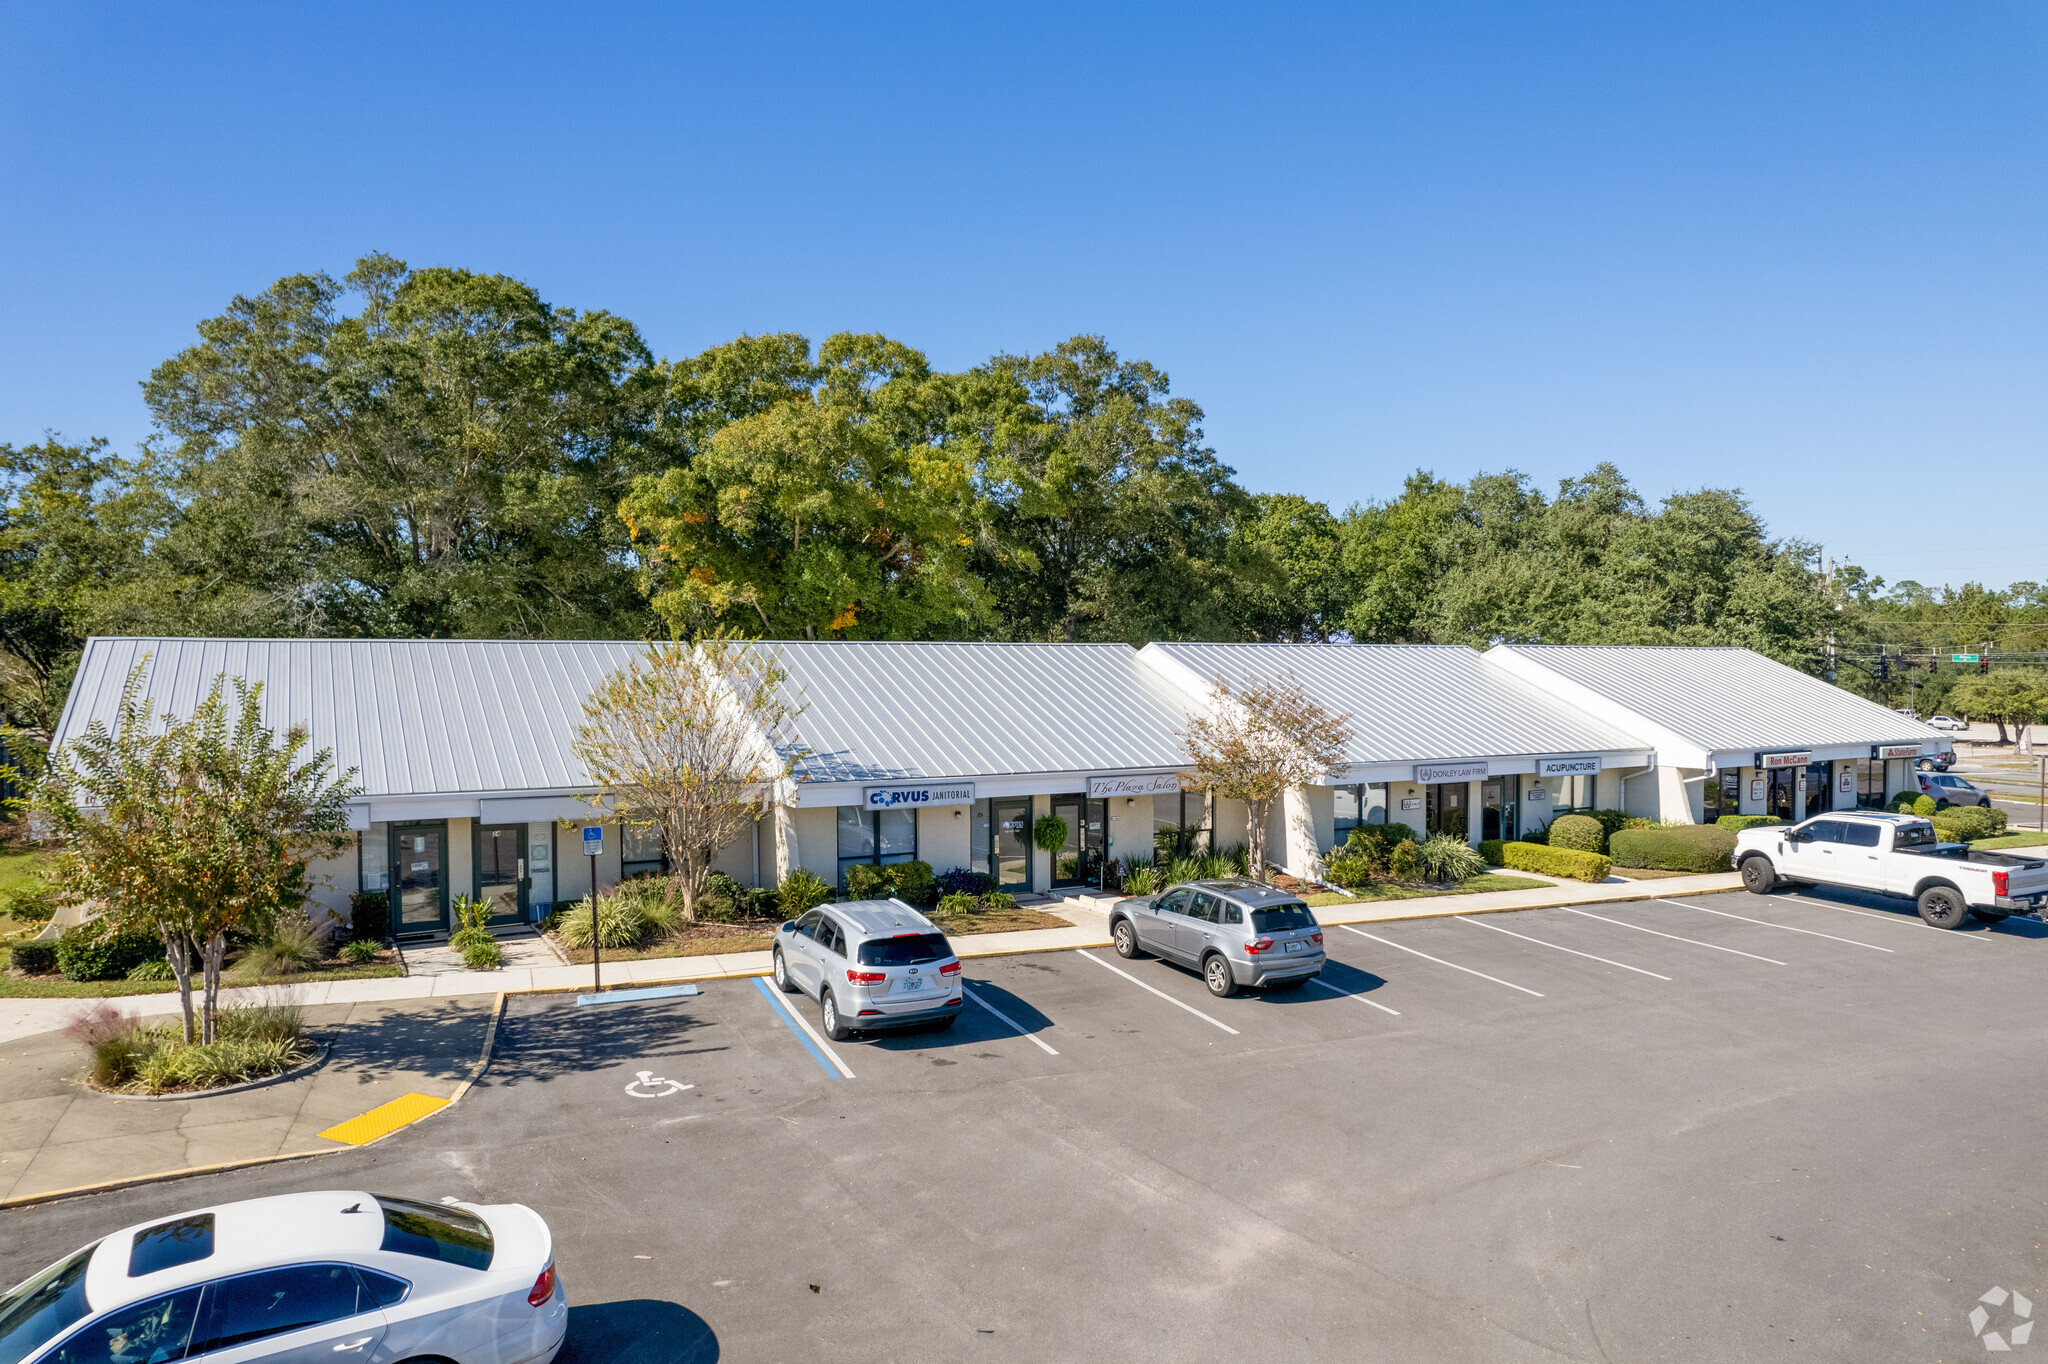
[2001,1320]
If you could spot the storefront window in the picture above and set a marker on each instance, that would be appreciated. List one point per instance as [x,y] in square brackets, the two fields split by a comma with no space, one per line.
[640,852]
[1869,783]
[1180,824]
[875,837]
[1356,805]
[1573,793]
[1722,795]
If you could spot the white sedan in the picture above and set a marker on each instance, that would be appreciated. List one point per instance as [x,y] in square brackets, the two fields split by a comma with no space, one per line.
[301,1277]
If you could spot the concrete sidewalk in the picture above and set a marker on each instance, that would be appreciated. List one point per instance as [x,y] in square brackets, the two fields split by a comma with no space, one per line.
[1090,916]
[57,1134]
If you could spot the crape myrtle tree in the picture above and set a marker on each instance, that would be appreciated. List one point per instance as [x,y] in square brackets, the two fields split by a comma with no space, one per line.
[1255,741]
[694,739]
[191,828]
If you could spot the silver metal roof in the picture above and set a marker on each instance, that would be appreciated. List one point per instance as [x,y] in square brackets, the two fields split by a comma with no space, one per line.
[415,716]
[480,717]
[1725,700]
[900,711]
[1408,702]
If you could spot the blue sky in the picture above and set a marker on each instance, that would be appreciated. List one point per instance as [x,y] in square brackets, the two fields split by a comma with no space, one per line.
[1798,249]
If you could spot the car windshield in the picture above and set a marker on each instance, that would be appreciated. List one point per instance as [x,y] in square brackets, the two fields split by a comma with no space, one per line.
[1282,918]
[912,949]
[435,1232]
[1919,834]
[42,1306]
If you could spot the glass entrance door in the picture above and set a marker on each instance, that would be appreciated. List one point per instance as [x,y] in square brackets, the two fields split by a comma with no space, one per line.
[1778,799]
[1491,796]
[417,853]
[1010,853]
[1819,789]
[501,872]
[1068,866]
[1095,843]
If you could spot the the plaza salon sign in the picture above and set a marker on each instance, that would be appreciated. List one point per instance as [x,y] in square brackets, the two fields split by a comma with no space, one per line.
[930,793]
[1135,784]
[1567,767]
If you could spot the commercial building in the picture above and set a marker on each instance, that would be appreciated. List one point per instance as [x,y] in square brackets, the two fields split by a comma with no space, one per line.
[953,753]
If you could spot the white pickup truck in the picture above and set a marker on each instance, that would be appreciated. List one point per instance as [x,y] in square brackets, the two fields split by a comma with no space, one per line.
[1897,855]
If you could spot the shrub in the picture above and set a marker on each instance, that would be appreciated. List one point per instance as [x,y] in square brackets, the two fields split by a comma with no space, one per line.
[1923,806]
[1375,844]
[1049,833]
[1737,823]
[1489,851]
[1962,823]
[369,916]
[619,923]
[1449,859]
[97,1021]
[866,882]
[1237,860]
[1569,863]
[958,902]
[1183,869]
[727,901]
[361,952]
[462,939]
[799,891]
[1580,833]
[960,881]
[483,954]
[1347,869]
[156,968]
[1403,860]
[1613,822]
[293,945]
[1538,837]
[38,956]
[90,952]
[1216,866]
[254,1041]
[1684,847]
[1141,880]
[1452,824]
[1902,803]
[470,913]
[914,883]
[997,899]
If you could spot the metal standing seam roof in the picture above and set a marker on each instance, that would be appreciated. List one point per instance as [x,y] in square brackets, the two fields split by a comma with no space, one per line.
[1414,702]
[482,717]
[882,711]
[1727,700]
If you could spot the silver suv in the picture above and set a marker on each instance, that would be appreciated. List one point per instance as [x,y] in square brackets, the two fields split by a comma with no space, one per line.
[870,964]
[1234,932]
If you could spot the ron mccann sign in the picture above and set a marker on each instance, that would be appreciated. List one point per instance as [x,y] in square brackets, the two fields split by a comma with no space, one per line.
[946,793]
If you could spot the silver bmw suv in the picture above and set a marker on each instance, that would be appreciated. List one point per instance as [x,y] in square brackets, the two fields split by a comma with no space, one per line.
[1234,932]
[870,964]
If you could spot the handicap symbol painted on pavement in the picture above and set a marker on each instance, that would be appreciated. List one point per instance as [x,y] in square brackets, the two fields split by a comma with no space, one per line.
[652,1086]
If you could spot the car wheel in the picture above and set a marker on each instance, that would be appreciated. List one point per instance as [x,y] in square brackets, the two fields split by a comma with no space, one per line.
[1943,907]
[1125,937]
[835,1026]
[1758,876]
[1941,804]
[782,980]
[1984,804]
[1217,975]
[1924,764]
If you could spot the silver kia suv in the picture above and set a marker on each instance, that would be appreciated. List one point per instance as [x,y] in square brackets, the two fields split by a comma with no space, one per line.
[1234,932]
[870,964]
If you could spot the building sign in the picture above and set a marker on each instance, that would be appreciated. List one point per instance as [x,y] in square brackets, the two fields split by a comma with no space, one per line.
[1895,751]
[1567,767]
[1411,802]
[1141,784]
[1535,793]
[1769,761]
[897,797]
[1431,774]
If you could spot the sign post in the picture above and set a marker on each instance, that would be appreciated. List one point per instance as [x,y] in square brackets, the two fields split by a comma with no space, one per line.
[593,844]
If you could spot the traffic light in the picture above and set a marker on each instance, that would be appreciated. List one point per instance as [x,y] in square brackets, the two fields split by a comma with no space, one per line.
[1984,662]
[1884,667]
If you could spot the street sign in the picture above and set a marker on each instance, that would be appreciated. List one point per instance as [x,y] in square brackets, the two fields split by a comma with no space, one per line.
[1962,658]
[593,839]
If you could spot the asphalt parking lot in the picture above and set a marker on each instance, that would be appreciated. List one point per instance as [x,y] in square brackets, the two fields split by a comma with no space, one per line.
[1722,1127]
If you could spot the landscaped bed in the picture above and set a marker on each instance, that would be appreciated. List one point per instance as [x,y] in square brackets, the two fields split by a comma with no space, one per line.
[303,962]
[1397,890]
[17,985]
[252,1042]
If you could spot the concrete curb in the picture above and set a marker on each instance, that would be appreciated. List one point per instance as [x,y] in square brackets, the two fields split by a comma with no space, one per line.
[476,1071]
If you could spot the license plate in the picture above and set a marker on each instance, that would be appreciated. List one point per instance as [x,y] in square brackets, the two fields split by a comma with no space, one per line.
[913,982]
[1296,946]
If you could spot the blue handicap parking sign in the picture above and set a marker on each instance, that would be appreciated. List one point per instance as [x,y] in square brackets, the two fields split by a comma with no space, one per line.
[593,839]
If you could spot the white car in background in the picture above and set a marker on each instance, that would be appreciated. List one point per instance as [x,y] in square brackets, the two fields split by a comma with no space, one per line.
[1948,722]
[352,1277]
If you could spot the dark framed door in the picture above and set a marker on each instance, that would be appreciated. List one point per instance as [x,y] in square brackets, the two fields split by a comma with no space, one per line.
[1778,796]
[1820,788]
[1492,797]
[1009,860]
[419,878]
[1069,868]
[1095,843]
[501,872]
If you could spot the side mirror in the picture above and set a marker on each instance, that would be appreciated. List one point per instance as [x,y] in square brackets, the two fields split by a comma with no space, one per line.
[789,925]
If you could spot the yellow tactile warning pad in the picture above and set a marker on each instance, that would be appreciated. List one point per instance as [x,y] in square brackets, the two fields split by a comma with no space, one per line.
[385,1119]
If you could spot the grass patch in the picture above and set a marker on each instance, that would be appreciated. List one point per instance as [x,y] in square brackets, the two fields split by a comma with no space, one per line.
[2031,839]
[1655,873]
[14,986]
[700,940]
[1397,890]
[132,1057]
[966,923]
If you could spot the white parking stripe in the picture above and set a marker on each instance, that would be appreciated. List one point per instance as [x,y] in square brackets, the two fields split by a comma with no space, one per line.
[1161,993]
[1348,995]
[1811,933]
[1901,920]
[1673,936]
[781,1002]
[1029,1036]
[1441,962]
[1480,923]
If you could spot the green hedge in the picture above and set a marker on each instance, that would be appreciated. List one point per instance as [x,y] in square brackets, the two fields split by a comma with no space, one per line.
[910,882]
[369,916]
[1688,847]
[1579,833]
[91,954]
[1566,862]
[1963,823]
[1737,823]
[38,956]
[1489,848]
